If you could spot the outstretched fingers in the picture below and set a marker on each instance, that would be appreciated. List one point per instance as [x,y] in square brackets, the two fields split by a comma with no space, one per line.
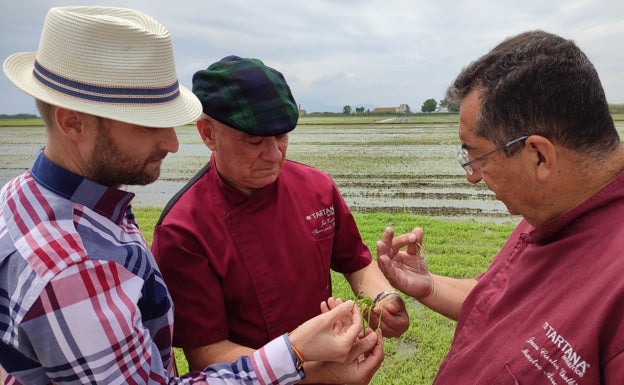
[390,245]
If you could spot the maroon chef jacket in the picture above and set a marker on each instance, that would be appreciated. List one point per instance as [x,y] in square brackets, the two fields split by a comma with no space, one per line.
[248,269]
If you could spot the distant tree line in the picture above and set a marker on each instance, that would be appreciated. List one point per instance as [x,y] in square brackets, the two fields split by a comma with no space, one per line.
[431,105]
[17,116]
[347,110]
[428,106]
[616,108]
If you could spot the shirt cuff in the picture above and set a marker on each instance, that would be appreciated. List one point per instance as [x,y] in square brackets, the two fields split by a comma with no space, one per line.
[276,362]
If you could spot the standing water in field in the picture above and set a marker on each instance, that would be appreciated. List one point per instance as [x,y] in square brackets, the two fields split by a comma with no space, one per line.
[394,166]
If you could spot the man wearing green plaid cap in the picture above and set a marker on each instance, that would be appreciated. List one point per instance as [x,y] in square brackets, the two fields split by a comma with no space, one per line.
[251,239]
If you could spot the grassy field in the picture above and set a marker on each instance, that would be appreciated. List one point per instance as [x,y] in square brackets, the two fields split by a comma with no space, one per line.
[20,122]
[460,249]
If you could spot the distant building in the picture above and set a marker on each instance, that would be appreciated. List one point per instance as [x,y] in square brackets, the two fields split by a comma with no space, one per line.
[384,110]
[401,109]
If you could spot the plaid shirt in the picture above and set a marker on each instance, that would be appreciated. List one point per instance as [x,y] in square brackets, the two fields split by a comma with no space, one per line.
[81,298]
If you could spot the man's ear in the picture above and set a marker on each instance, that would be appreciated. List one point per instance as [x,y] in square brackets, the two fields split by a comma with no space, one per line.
[542,156]
[206,129]
[72,124]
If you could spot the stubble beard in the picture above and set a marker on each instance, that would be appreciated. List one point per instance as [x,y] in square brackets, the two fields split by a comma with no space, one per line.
[110,166]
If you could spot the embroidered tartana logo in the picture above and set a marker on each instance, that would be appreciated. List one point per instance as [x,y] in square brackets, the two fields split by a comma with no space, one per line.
[554,356]
[571,357]
[322,220]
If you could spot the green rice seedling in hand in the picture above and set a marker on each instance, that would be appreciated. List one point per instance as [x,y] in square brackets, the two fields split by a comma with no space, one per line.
[366,305]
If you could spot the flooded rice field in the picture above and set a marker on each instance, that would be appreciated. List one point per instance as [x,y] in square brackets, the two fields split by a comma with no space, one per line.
[402,167]
[396,168]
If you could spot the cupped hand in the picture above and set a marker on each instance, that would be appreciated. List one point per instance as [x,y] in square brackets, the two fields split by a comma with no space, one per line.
[359,368]
[330,336]
[401,261]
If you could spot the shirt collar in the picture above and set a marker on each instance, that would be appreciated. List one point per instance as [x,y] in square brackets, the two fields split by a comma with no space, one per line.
[108,201]
[602,204]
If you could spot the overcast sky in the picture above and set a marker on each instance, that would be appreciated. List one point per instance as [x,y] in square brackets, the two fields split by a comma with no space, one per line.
[359,53]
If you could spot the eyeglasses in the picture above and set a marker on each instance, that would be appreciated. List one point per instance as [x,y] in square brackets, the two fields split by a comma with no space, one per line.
[462,156]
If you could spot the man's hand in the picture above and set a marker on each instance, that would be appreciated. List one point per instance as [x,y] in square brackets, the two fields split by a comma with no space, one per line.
[361,364]
[330,336]
[359,368]
[405,269]
[391,311]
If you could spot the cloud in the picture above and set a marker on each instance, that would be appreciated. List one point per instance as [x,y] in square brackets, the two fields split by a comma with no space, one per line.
[336,53]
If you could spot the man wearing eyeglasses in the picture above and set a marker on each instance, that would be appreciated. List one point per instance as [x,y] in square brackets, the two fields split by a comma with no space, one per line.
[535,127]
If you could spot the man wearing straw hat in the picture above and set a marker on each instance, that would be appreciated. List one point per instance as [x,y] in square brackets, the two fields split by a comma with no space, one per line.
[81,299]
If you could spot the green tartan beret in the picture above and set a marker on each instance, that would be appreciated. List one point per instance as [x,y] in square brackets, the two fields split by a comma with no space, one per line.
[246,95]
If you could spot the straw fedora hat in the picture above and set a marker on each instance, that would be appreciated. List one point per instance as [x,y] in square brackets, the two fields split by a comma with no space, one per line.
[110,62]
